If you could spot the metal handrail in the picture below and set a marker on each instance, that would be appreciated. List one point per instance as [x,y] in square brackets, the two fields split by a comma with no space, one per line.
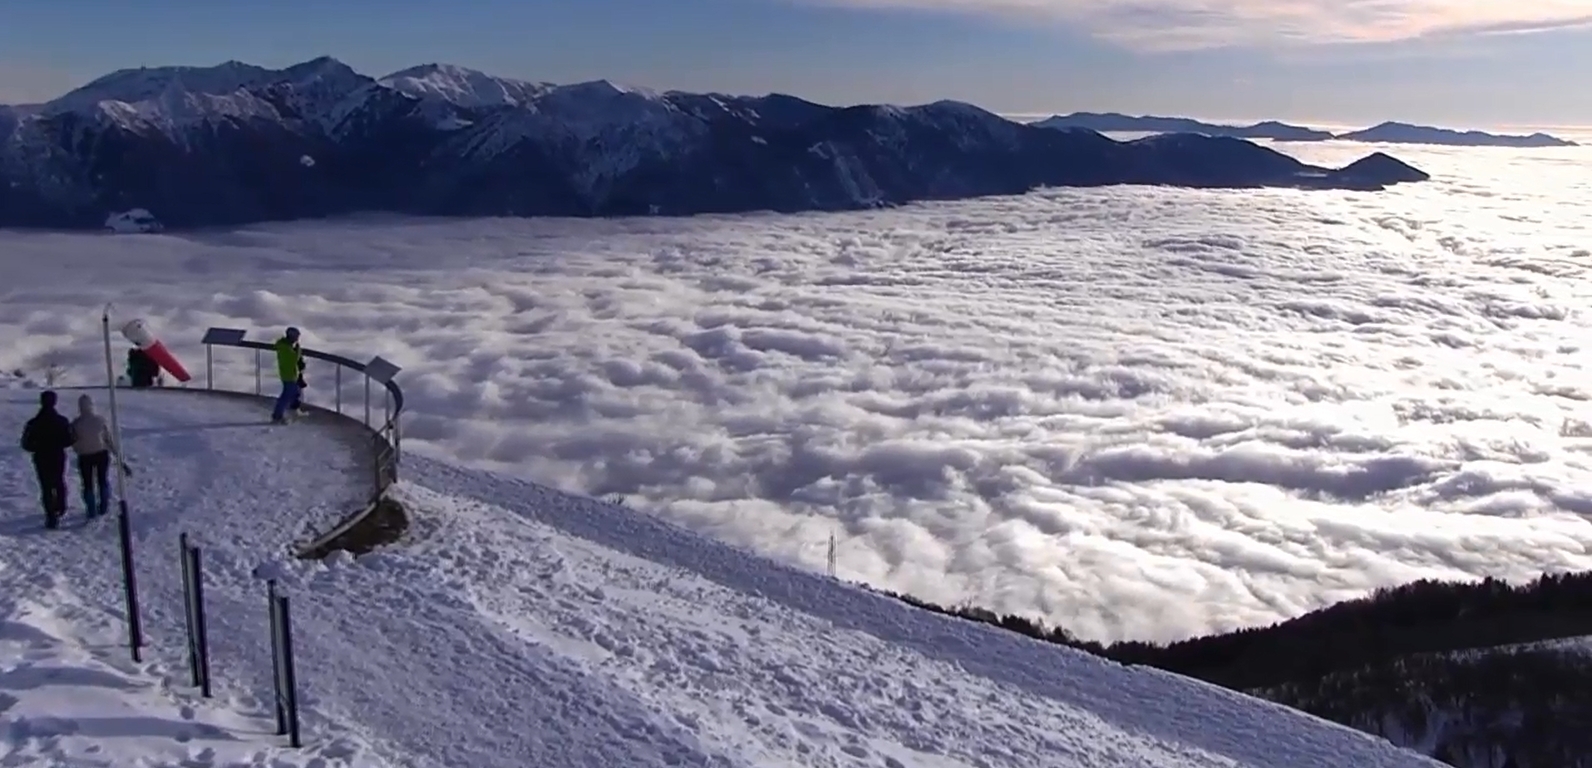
[388,434]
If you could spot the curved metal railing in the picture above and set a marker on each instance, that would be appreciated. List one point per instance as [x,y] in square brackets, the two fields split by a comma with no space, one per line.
[386,435]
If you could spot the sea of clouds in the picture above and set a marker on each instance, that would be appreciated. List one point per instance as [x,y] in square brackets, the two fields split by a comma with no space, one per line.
[1134,412]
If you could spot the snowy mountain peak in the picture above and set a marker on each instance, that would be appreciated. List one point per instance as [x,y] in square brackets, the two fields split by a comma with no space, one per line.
[608,89]
[462,87]
[321,68]
[959,111]
[145,83]
[952,105]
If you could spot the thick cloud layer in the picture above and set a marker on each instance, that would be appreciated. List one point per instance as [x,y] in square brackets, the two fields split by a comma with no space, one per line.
[1134,412]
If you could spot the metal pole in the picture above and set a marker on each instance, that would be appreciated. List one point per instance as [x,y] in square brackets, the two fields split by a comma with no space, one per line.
[257,365]
[135,630]
[276,657]
[135,626]
[191,620]
[116,425]
[196,566]
[367,400]
[289,674]
[338,377]
[210,367]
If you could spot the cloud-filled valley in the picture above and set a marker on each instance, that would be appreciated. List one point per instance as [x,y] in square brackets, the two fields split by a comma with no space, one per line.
[1134,412]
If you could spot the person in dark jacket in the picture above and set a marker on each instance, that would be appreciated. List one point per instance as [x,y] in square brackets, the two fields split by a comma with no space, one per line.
[142,369]
[298,399]
[48,436]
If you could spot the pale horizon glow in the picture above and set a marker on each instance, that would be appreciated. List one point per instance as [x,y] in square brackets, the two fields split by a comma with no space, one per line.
[1198,24]
[1135,412]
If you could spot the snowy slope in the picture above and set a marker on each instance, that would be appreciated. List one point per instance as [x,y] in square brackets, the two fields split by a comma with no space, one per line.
[521,626]
[67,700]
[172,98]
[206,466]
[463,87]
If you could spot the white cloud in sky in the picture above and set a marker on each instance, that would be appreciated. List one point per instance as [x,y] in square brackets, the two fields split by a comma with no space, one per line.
[1196,24]
[1136,412]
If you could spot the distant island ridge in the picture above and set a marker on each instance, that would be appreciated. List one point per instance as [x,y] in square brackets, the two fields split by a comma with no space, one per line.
[1385,133]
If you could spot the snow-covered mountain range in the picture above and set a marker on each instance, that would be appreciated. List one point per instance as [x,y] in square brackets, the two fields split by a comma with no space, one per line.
[237,142]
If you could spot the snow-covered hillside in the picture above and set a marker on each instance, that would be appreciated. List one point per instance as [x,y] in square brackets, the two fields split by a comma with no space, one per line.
[221,145]
[521,626]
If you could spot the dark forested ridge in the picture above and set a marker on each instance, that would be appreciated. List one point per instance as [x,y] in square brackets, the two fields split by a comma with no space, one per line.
[1502,708]
[1422,664]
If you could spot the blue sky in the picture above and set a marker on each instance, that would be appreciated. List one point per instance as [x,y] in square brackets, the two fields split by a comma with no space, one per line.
[1471,63]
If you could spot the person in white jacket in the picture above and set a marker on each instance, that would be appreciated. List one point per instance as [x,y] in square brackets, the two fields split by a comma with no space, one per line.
[92,441]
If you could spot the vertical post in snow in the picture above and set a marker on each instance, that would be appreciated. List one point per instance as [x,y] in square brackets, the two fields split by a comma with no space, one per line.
[194,601]
[277,699]
[258,389]
[338,385]
[196,564]
[289,674]
[135,625]
[135,631]
[831,554]
[110,389]
[284,676]
[187,599]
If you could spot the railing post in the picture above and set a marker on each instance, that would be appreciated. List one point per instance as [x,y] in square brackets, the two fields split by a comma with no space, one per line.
[135,625]
[194,600]
[287,721]
[276,658]
[257,364]
[227,337]
[367,401]
[338,386]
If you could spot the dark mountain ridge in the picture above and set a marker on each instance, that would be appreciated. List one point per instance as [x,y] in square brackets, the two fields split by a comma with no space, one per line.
[1385,133]
[238,143]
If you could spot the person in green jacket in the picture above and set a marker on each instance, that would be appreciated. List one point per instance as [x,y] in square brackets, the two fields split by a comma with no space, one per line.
[290,369]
